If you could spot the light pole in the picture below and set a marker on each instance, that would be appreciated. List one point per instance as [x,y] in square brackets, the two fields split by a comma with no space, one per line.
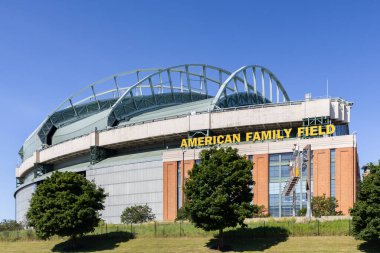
[182,176]
[308,180]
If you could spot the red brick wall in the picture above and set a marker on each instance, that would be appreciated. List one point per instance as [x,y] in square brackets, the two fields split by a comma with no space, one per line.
[321,172]
[261,178]
[170,187]
[170,191]
[185,172]
[346,173]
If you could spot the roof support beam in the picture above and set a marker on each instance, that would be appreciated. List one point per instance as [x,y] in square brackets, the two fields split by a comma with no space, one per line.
[188,82]
[270,88]
[171,84]
[93,92]
[254,83]
[205,79]
[117,87]
[245,80]
[152,90]
[71,103]
[263,86]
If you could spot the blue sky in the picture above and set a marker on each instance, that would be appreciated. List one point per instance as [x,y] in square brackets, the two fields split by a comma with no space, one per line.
[50,49]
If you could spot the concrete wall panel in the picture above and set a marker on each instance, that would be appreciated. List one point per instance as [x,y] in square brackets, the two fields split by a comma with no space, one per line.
[23,197]
[130,183]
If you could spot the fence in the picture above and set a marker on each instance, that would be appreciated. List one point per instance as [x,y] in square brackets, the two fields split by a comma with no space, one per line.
[259,229]
[265,228]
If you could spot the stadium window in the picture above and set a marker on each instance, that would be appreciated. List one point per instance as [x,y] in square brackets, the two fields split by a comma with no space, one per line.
[332,172]
[280,205]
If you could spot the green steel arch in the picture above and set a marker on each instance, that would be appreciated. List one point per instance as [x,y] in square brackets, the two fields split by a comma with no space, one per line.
[246,92]
[131,93]
[166,87]
[94,98]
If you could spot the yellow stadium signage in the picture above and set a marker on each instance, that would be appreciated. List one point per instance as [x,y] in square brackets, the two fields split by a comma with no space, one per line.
[278,134]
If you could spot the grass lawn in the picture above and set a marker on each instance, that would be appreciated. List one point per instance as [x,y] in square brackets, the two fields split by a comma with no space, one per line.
[196,244]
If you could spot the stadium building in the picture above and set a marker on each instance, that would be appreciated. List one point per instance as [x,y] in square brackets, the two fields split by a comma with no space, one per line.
[137,134]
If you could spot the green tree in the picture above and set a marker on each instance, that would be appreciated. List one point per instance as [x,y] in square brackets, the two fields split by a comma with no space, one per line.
[324,206]
[137,214]
[10,225]
[366,211]
[219,190]
[182,214]
[259,211]
[65,204]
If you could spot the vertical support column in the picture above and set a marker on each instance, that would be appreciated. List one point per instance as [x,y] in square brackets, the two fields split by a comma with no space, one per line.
[321,172]
[261,178]
[345,169]
[169,191]
[185,174]
[308,181]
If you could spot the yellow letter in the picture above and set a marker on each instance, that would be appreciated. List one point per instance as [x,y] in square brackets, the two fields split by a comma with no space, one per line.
[228,139]
[313,131]
[256,137]
[236,138]
[287,132]
[301,130]
[279,135]
[192,142]
[184,143]
[330,129]
[248,136]
[266,135]
[208,140]
[220,139]
[201,141]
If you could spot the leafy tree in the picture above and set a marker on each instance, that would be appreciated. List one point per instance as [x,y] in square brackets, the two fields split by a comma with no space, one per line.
[366,211]
[10,225]
[302,211]
[324,206]
[218,191]
[137,214]
[65,204]
[182,214]
[259,211]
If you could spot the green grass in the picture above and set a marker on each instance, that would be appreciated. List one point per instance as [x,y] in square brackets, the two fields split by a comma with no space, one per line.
[198,244]
[268,228]
[255,229]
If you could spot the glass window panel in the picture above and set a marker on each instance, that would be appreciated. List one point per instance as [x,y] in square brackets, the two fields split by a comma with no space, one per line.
[285,172]
[332,188]
[274,157]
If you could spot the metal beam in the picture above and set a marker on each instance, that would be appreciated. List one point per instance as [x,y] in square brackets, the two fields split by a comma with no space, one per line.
[188,82]
[152,90]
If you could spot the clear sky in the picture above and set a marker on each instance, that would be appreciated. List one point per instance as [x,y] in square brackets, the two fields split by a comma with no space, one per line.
[50,49]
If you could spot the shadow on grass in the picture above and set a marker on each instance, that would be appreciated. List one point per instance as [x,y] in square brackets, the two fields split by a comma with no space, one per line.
[250,239]
[93,242]
[372,246]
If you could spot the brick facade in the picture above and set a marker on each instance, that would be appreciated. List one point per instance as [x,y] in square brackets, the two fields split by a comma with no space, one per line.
[170,187]
[170,190]
[261,179]
[346,176]
[321,172]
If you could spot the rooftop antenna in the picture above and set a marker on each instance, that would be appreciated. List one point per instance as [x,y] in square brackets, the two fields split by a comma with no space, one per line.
[327,87]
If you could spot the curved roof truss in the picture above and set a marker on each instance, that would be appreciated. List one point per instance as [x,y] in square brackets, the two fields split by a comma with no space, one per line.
[166,87]
[252,84]
[131,93]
